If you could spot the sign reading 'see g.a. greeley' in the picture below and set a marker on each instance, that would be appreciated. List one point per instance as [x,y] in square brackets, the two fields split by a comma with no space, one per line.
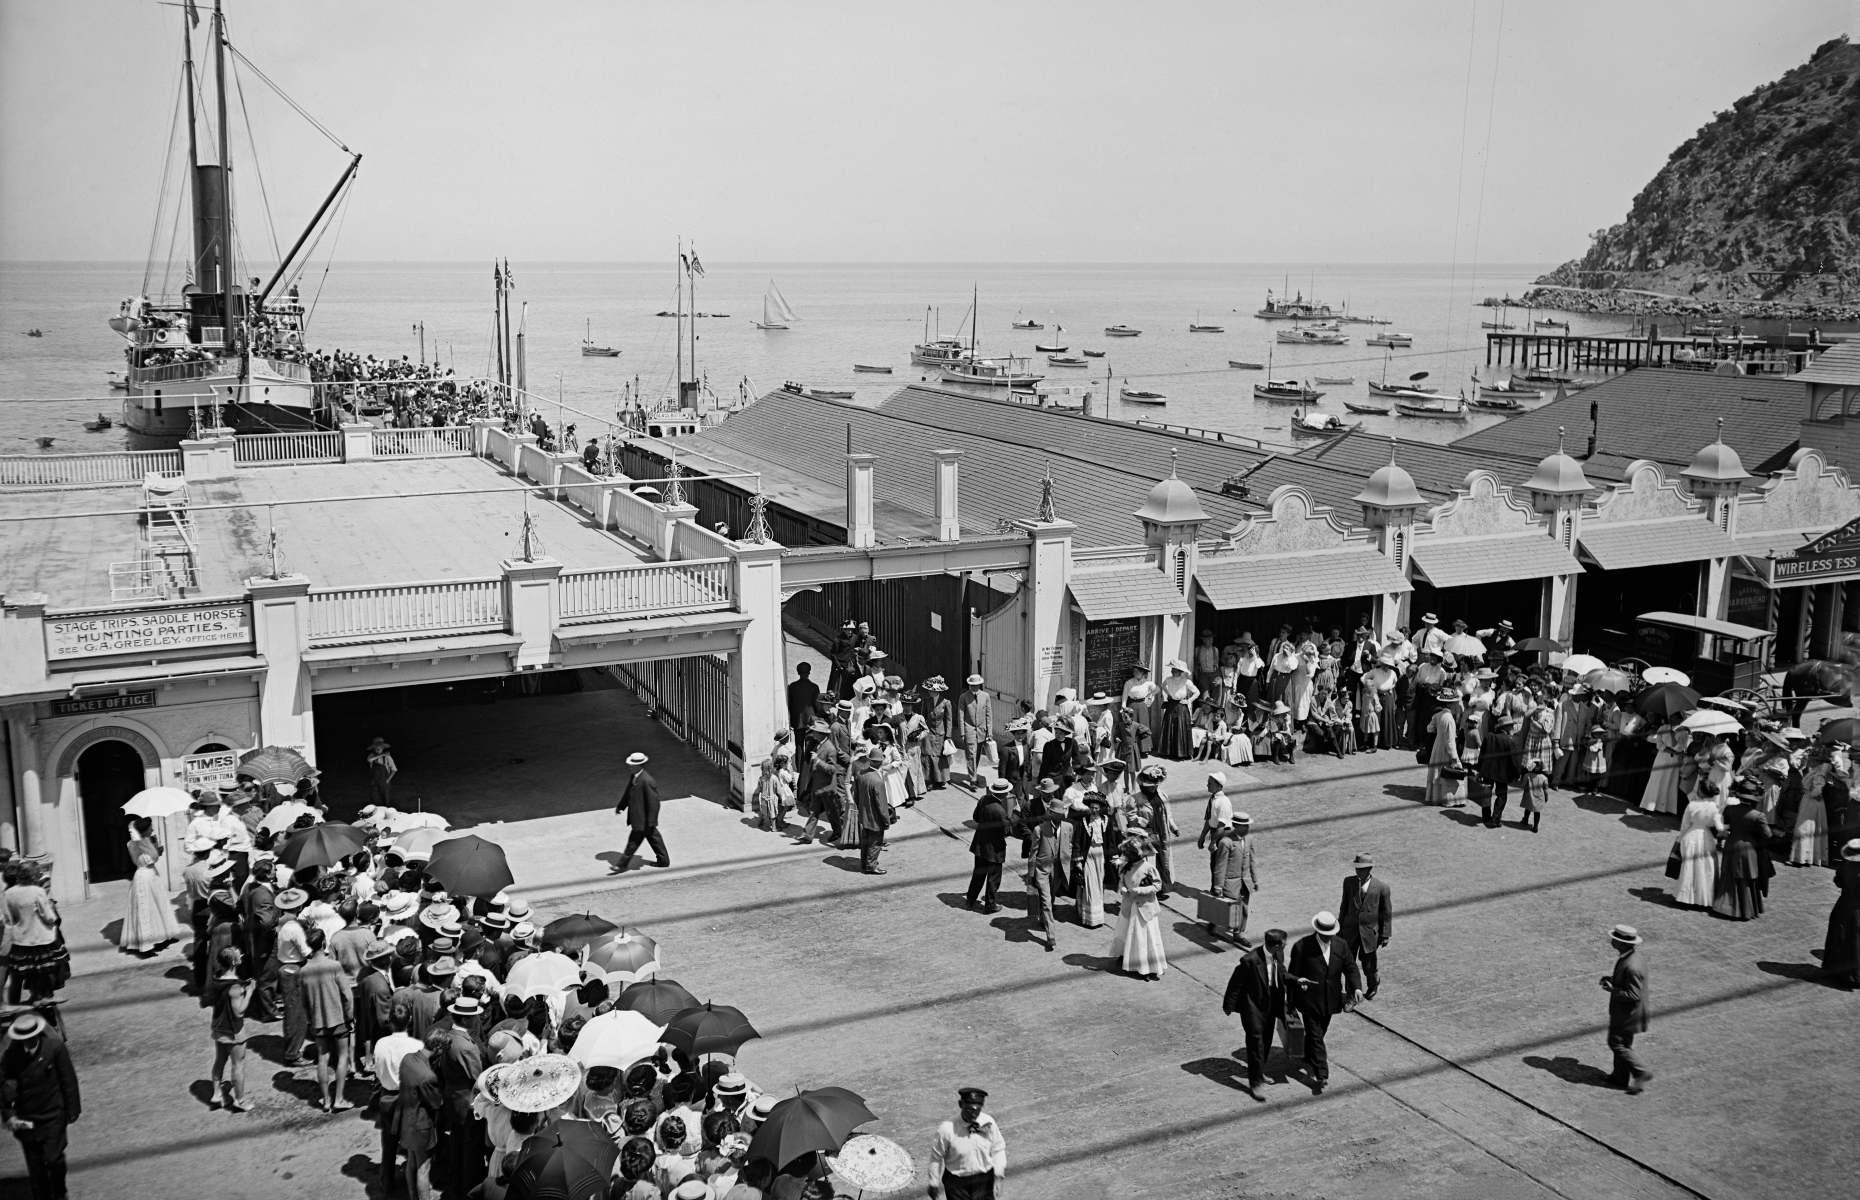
[146,631]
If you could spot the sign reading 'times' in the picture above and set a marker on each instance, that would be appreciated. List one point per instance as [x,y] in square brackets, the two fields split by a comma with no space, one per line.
[146,631]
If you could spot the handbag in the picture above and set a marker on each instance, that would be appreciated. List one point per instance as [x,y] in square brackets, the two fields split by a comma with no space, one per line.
[1672,861]
[949,748]
[1422,754]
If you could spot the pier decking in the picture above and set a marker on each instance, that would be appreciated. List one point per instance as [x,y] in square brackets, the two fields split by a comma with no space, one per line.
[1591,352]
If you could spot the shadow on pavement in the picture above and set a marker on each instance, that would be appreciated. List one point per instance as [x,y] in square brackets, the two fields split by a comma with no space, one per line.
[1569,1070]
[305,1090]
[1411,792]
[1091,962]
[844,862]
[1804,972]
[367,1172]
[954,899]
[1198,934]
[202,1090]
[1465,816]
[1656,895]
[1228,1072]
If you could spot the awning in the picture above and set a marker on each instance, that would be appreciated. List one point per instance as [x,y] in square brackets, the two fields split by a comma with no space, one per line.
[368,654]
[1711,625]
[1127,592]
[1458,562]
[1653,543]
[83,683]
[1243,581]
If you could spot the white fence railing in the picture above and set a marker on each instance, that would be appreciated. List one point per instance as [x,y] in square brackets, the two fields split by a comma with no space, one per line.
[404,610]
[279,449]
[86,470]
[646,590]
[440,442]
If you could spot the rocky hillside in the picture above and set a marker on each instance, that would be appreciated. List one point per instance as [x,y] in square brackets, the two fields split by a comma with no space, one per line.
[1758,212]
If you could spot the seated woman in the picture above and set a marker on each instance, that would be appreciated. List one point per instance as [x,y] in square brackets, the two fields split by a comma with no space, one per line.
[1278,737]
[1209,732]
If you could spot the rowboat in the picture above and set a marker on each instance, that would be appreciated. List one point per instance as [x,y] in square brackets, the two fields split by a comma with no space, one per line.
[801,389]
[1495,403]
[1130,395]
[1496,325]
[1363,406]
[1552,324]
[1439,408]
[1048,349]
[1286,390]
[867,369]
[1094,354]
[1121,331]
[1312,337]
[1508,389]
[1245,365]
[1065,360]
[1390,339]
[1334,380]
[1321,425]
[1382,387]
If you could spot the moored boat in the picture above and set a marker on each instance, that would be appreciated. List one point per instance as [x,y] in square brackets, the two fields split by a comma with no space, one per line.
[1044,349]
[1439,408]
[1286,390]
[1094,353]
[1364,406]
[1311,337]
[588,347]
[817,393]
[1020,324]
[868,369]
[1306,424]
[1550,324]
[1508,389]
[1295,309]
[990,372]
[777,313]
[1130,395]
[1121,331]
[1065,360]
[1244,365]
[1334,380]
[1494,403]
[939,352]
[1389,339]
[1195,326]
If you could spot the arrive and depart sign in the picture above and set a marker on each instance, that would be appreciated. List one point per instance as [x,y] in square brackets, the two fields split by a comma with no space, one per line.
[147,631]
[1833,555]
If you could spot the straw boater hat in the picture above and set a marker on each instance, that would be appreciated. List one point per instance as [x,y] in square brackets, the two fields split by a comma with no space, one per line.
[1851,851]
[1624,935]
[496,919]
[636,759]
[291,899]
[25,1027]
[1429,619]
[399,906]
[435,915]
[1325,923]
[974,681]
[1243,821]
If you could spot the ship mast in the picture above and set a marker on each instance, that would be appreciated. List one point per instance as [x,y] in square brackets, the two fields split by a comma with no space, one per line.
[226,199]
[187,68]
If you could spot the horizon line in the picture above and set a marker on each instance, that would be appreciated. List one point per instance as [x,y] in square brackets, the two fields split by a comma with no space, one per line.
[1304,265]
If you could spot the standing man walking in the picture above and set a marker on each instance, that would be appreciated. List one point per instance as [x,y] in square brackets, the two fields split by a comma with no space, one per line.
[1328,982]
[989,845]
[381,772]
[975,726]
[803,701]
[874,809]
[640,802]
[968,1156]
[1368,917]
[1042,857]
[1626,986]
[38,1100]
[1256,990]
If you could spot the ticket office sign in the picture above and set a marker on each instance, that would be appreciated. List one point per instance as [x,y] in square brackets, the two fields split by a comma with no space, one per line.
[146,632]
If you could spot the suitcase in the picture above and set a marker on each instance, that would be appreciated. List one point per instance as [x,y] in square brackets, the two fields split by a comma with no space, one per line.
[1292,1036]
[1220,912]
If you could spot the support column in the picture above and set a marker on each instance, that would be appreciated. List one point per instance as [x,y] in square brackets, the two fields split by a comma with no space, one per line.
[1046,639]
[358,441]
[530,607]
[29,818]
[281,633]
[481,428]
[665,518]
[208,457]
[860,533]
[948,513]
[758,699]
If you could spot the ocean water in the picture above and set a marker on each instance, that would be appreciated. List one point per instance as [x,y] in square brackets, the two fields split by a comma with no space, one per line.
[848,313]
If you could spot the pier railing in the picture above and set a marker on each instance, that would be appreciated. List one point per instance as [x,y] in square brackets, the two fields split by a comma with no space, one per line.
[445,441]
[646,590]
[284,449]
[367,614]
[103,469]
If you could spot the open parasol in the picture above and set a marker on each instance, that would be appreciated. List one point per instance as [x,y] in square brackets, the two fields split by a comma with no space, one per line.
[538,1083]
[615,1039]
[708,1029]
[1538,645]
[658,1000]
[1607,679]
[283,816]
[1841,729]
[573,933]
[873,1163]
[1583,664]
[542,974]
[470,866]
[274,764]
[624,956]
[1667,700]
[822,1119]
[1666,675]
[158,802]
[1465,645]
[1707,720]
[321,846]
[573,1161]
[417,844]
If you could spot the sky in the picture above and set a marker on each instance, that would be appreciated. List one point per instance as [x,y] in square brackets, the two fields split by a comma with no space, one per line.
[880,131]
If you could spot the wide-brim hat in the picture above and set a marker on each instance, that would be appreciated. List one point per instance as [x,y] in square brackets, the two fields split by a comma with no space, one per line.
[1447,695]
[974,681]
[1000,787]
[894,683]
[1364,860]
[25,1027]
[379,743]
[378,950]
[1281,709]
[1242,820]
[1057,808]
[497,918]
[731,1084]
[1325,923]
[1048,786]
[637,759]
[876,655]
[1624,935]
[1429,619]
[865,685]
[934,684]
[291,899]
[843,707]
[1485,673]
[1851,851]
[1112,769]
[1246,639]
[1152,775]
[435,915]
[1020,725]
[1176,664]
[398,906]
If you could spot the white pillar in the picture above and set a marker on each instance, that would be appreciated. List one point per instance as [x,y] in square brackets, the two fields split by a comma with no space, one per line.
[358,441]
[665,526]
[948,513]
[281,633]
[860,534]
[758,699]
[1047,644]
[530,608]
[207,457]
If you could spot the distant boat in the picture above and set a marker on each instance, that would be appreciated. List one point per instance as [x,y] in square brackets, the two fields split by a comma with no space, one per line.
[1121,331]
[939,353]
[1042,349]
[1390,339]
[590,350]
[817,393]
[777,313]
[45,443]
[1334,380]
[1130,395]
[1298,309]
[1094,354]
[1411,387]
[1320,425]
[1548,324]
[989,372]
[1286,390]
[1065,360]
[1312,337]
[1364,406]
[35,333]
[1245,365]
[1508,389]
[1544,379]
[1439,408]
[118,383]
[1496,325]
[865,369]
[1020,324]
[1195,326]
[99,425]
[1495,403]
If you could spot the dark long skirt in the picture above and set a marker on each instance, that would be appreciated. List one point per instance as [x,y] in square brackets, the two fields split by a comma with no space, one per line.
[1175,742]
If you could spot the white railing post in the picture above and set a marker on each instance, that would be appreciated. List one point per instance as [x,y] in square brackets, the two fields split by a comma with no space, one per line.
[532,600]
[207,457]
[358,441]
[481,428]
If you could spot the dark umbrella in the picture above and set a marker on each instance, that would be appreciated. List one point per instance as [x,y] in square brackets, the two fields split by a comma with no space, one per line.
[658,1000]
[1841,729]
[821,1119]
[1667,700]
[1538,645]
[709,1029]
[274,764]
[470,866]
[321,846]
[572,1162]
[573,933]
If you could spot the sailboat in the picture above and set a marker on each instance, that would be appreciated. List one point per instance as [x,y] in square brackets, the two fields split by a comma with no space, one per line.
[590,350]
[226,353]
[777,313]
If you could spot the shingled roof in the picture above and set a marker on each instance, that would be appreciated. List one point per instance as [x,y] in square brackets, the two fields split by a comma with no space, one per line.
[1663,415]
[1437,469]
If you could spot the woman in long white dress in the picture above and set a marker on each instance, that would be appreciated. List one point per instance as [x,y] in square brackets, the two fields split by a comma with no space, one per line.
[1808,842]
[1088,843]
[1302,686]
[150,922]
[1661,795]
[1699,828]
[1137,942]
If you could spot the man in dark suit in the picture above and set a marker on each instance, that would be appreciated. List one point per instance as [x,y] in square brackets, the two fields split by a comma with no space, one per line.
[640,802]
[1368,918]
[1256,990]
[989,845]
[803,701]
[1626,986]
[1327,981]
[868,791]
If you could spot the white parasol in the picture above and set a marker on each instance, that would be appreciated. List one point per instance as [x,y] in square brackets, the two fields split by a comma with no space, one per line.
[1666,675]
[158,802]
[1583,664]
[1726,703]
[285,815]
[873,1163]
[1707,721]
[417,844]
[538,1083]
[616,1039]
[542,974]
[406,822]
[1465,645]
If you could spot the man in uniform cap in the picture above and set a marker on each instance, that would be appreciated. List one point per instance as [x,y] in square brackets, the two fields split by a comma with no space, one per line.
[989,845]
[968,1156]
[1626,986]
[640,801]
[1367,914]
[1327,982]
[38,1100]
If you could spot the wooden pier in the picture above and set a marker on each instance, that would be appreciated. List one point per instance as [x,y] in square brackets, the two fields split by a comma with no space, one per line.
[1589,352]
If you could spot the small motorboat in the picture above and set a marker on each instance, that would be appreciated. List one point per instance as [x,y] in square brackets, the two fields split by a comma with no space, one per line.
[590,349]
[1065,360]
[1365,407]
[1395,340]
[1286,390]
[801,389]
[1130,395]
[35,333]
[1028,325]
[1320,424]
[1439,408]
[45,443]
[868,369]
[1121,331]
[1495,402]
[1508,389]
[1547,324]
[1039,349]
[1334,380]
[1195,328]
[1548,379]
[1094,354]
[1244,365]
[118,382]
[99,425]
[1382,387]
[1312,337]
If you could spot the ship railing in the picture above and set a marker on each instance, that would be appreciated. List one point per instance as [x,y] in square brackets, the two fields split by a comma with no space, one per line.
[393,611]
[444,441]
[110,468]
[646,590]
[286,449]
[171,372]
